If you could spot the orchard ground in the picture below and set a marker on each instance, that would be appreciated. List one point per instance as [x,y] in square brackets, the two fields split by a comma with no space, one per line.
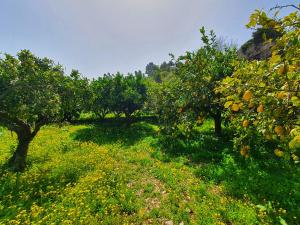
[111,173]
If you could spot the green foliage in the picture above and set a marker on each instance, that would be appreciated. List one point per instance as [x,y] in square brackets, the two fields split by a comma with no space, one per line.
[35,92]
[188,96]
[118,94]
[101,102]
[159,73]
[29,98]
[262,97]
[110,173]
[75,95]
[28,90]
[270,186]
[104,174]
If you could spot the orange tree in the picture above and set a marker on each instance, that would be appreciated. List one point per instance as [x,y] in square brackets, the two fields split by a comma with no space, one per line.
[188,96]
[29,99]
[263,97]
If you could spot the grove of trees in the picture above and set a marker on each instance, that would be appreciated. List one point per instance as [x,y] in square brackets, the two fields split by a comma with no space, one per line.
[118,94]
[259,99]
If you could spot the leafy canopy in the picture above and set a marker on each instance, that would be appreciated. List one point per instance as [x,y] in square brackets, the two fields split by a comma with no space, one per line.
[28,90]
[263,97]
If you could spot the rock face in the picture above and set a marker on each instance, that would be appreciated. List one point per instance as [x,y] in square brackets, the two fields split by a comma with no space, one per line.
[259,47]
[256,51]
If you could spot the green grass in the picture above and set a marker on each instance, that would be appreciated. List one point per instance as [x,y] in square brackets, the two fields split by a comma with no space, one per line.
[112,173]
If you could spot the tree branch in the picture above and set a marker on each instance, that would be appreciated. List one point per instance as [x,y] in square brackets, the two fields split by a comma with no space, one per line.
[41,122]
[285,6]
[14,124]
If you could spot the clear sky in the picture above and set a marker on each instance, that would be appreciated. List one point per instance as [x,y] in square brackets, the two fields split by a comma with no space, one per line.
[99,36]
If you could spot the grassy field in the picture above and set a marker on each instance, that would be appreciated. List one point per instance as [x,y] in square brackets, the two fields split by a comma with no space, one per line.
[112,173]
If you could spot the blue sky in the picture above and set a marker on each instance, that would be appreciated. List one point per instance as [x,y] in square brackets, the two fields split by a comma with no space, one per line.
[99,36]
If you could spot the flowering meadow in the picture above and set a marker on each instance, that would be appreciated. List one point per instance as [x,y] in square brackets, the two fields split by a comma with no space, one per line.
[111,174]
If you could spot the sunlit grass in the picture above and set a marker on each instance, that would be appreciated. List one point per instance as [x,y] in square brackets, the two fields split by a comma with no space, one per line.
[109,173]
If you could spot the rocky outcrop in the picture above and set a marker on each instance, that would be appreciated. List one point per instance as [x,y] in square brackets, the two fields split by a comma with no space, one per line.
[256,51]
[259,47]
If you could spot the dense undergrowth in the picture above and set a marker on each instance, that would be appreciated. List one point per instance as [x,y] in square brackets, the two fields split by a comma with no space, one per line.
[111,172]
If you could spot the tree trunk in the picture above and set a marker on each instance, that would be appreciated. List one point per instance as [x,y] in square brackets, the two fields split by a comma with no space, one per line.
[128,119]
[23,130]
[18,161]
[218,124]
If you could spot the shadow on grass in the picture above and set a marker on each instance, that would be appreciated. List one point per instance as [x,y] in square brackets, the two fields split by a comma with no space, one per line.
[201,147]
[268,182]
[112,131]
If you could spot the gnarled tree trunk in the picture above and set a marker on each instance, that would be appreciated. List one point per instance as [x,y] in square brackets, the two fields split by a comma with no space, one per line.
[18,161]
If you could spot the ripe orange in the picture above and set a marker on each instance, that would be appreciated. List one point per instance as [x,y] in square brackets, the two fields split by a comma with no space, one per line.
[247,95]
[245,151]
[235,107]
[260,108]
[250,105]
[245,123]
[281,95]
[279,130]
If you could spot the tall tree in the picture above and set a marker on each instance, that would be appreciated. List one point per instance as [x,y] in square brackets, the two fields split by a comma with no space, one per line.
[29,99]
[151,68]
[188,96]
[200,74]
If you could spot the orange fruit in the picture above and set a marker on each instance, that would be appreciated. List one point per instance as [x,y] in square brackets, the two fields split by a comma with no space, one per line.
[281,95]
[244,151]
[279,130]
[247,95]
[260,108]
[245,123]
[235,107]
[250,105]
